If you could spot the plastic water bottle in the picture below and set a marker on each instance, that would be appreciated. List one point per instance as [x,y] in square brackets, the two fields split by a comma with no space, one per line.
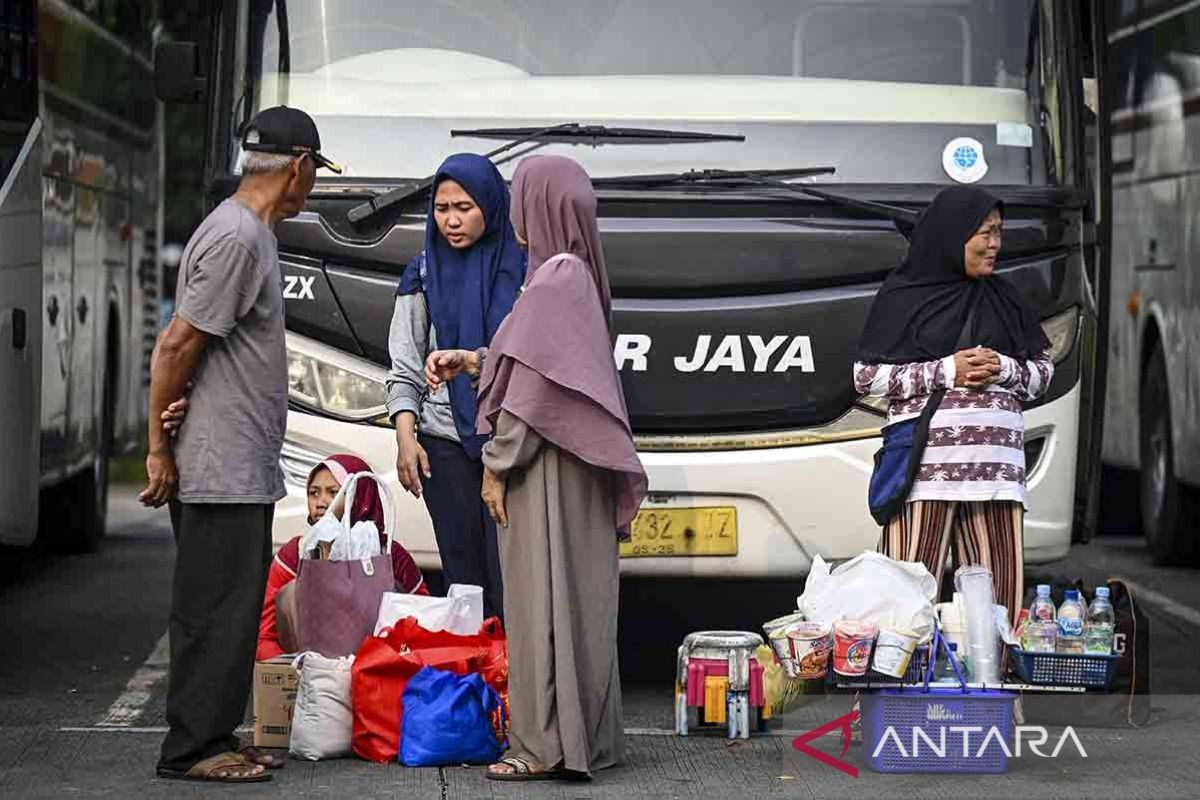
[1071,615]
[1043,627]
[1101,622]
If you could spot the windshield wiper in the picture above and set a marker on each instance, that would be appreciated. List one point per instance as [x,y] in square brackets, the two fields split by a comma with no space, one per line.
[903,218]
[720,177]
[577,133]
[389,199]
[564,132]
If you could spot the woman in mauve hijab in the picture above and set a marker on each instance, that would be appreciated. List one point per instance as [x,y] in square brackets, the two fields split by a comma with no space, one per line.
[561,478]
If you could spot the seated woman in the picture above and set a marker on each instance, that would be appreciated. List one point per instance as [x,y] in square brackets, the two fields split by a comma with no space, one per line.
[276,627]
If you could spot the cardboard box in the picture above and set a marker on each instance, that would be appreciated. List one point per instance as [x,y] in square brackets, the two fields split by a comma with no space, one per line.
[275,683]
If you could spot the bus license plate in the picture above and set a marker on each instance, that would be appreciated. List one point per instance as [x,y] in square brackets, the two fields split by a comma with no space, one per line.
[669,532]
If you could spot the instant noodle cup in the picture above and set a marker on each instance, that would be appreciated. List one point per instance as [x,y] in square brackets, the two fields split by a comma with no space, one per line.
[777,636]
[893,651]
[852,639]
[811,643]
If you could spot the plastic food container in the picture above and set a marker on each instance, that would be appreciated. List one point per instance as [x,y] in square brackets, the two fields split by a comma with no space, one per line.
[811,643]
[893,651]
[852,640]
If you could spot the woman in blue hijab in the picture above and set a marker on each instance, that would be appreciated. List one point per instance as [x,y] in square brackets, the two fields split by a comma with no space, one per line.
[453,295]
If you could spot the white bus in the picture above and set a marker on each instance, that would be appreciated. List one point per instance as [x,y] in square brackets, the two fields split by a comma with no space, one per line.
[1152,419]
[738,305]
[80,215]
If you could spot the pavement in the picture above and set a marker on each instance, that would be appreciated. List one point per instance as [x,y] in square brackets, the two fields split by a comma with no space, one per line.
[82,688]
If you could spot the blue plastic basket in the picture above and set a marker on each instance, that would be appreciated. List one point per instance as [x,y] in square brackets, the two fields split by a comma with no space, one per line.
[1092,670]
[914,729]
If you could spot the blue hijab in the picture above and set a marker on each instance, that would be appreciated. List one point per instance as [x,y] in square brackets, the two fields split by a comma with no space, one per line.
[468,292]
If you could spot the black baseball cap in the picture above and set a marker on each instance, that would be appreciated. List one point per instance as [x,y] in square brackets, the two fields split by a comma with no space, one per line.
[286,131]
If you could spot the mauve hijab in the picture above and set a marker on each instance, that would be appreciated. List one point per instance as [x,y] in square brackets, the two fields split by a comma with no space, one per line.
[551,362]
[557,214]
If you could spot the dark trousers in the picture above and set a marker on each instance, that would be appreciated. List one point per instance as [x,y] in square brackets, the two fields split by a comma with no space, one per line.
[466,535]
[222,555]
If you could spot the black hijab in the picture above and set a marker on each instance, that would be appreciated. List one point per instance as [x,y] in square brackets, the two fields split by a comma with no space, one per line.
[922,307]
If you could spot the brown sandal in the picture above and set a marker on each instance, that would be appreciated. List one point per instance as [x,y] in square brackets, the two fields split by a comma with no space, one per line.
[522,770]
[223,768]
[256,755]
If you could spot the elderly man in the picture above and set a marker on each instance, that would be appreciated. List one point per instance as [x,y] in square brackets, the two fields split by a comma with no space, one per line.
[227,340]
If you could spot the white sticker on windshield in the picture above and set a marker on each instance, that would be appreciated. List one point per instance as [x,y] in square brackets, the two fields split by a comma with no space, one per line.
[1014,134]
[963,160]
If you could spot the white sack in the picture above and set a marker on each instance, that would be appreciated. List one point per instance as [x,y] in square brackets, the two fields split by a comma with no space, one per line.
[322,722]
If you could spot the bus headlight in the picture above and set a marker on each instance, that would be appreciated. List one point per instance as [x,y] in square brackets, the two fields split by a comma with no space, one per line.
[329,381]
[1061,330]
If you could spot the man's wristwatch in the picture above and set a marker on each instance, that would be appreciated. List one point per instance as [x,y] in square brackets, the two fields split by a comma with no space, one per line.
[480,358]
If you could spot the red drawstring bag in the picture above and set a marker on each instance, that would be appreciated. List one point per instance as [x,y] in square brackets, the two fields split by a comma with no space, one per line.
[385,663]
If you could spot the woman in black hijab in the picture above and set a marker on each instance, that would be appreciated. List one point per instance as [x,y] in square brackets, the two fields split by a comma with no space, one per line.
[944,321]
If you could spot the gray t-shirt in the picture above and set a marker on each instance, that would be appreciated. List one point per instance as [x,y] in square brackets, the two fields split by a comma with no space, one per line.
[230,287]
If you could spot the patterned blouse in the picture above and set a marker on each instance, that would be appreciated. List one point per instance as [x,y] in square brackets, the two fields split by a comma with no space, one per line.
[976,445]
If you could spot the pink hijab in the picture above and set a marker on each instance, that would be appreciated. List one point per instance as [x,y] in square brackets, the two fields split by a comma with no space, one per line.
[550,363]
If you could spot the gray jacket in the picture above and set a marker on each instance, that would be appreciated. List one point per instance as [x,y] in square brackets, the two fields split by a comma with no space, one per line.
[411,339]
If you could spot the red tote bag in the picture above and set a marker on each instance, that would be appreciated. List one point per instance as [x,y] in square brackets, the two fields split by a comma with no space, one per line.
[385,663]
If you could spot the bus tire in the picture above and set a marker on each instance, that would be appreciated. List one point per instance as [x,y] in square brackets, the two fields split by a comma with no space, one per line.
[1162,498]
[74,515]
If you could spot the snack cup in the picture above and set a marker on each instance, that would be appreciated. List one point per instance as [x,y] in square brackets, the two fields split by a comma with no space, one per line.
[893,651]
[811,643]
[852,641]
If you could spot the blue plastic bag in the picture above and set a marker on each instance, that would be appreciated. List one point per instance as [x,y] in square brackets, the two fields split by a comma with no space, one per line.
[447,720]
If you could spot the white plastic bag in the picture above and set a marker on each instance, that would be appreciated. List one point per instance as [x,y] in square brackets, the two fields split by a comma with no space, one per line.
[872,587]
[322,722]
[457,613]
[347,542]
[472,595]
[361,542]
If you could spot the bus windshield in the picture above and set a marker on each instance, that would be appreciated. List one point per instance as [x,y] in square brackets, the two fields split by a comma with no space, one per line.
[880,90]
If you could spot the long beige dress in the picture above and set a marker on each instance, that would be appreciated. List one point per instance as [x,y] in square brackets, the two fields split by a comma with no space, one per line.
[559,557]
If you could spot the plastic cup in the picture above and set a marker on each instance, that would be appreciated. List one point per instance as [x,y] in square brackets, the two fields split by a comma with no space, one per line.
[811,643]
[983,639]
[893,652]
[852,640]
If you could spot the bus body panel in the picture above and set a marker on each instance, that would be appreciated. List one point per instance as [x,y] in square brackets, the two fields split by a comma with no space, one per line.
[691,269]
[792,503]
[1154,77]
[20,338]
[96,178]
